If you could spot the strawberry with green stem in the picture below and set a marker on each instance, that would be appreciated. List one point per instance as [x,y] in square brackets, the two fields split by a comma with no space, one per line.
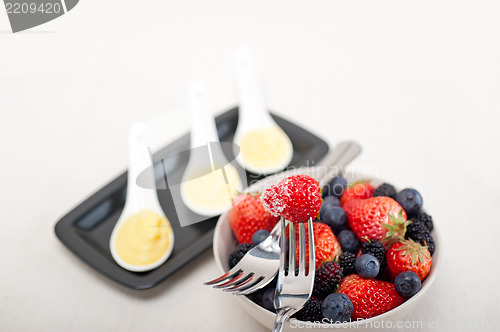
[396,230]
[408,255]
[367,216]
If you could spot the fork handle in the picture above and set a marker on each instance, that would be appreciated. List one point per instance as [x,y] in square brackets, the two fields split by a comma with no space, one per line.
[282,315]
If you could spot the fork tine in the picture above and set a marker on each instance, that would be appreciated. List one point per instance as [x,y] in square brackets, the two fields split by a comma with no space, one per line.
[312,257]
[231,282]
[217,280]
[242,282]
[251,288]
[302,249]
[248,285]
[282,245]
[228,275]
[292,261]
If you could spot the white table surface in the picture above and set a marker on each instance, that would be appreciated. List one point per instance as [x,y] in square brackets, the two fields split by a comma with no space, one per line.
[416,83]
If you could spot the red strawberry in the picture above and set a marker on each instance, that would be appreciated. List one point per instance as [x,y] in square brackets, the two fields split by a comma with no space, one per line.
[366,216]
[369,297]
[408,255]
[357,190]
[395,232]
[326,246]
[248,216]
[296,198]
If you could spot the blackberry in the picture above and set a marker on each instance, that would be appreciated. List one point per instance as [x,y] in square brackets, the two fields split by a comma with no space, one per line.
[238,254]
[426,219]
[414,228]
[425,239]
[418,232]
[347,262]
[327,278]
[311,311]
[385,190]
[376,249]
[430,243]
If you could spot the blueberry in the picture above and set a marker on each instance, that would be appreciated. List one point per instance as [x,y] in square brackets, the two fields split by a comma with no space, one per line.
[385,189]
[407,283]
[259,236]
[410,200]
[367,266]
[337,307]
[268,299]
[348,241]
[336,186]
[328,203]
[335,218]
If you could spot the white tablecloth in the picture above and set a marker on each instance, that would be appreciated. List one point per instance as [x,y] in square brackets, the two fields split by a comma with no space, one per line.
[416,83]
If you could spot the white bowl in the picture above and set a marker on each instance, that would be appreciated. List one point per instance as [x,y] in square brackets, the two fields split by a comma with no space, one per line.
[225,243]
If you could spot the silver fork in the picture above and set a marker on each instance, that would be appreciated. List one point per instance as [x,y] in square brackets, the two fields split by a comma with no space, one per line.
[293,291]
[259,266]
[264,258]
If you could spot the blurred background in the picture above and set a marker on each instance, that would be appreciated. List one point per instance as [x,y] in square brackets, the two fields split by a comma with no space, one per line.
[415,83]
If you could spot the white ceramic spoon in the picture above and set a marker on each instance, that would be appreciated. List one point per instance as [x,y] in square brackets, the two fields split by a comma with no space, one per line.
[139,199]
[254,116]
[206,156]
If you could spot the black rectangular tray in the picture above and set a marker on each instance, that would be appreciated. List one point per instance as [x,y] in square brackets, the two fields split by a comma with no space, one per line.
[87,228]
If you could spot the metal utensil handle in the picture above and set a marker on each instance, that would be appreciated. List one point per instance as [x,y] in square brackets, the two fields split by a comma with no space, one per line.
[335,162]
[281,316]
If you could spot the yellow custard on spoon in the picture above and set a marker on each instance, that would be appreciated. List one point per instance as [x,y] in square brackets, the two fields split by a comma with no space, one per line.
[210,190]
[209,180]
[143,238]
[265,147]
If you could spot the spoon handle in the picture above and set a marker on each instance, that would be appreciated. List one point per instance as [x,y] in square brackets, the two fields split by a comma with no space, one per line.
[203,128]
[140,162]
[252,108]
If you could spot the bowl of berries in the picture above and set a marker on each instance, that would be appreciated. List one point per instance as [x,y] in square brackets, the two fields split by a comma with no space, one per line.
[376,250]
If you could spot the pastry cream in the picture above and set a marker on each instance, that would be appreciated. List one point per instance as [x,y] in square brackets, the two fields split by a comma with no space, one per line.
[265,147]
[143,238]
[209,190]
